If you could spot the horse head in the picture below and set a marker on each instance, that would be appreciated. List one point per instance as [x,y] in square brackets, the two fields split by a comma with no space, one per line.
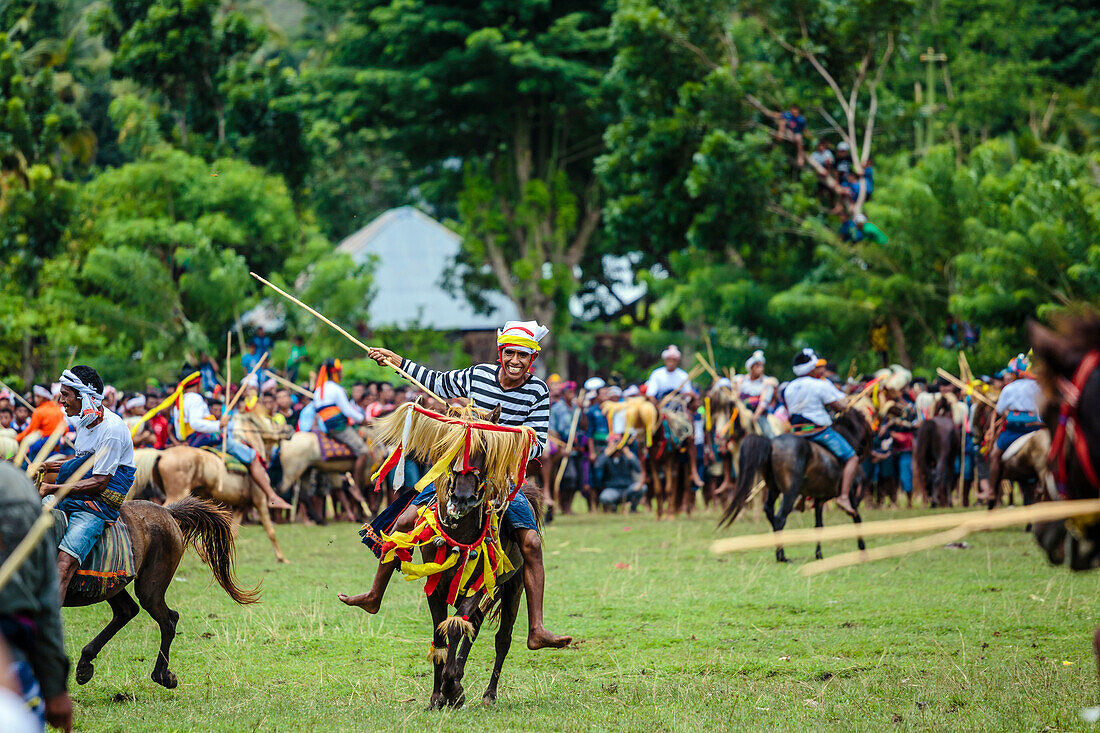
[466,492]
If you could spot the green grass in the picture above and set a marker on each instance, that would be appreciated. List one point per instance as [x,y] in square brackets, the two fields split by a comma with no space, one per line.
[989,638]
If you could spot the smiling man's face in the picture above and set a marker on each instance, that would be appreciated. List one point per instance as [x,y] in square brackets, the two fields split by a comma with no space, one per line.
[515,363]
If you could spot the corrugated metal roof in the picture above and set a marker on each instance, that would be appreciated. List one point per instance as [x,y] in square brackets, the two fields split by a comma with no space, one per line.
[413,250]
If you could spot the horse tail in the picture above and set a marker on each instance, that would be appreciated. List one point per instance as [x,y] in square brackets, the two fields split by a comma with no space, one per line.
[926,434]
[756,451]
[209,529]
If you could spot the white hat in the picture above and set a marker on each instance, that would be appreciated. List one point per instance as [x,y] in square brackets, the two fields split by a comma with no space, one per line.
[525,336]
[842,146]
[40,391]
[632,391]
[135,402]
[671,352]
[594,383]
[614,391]
[55,389]
[860,219]
[756,358]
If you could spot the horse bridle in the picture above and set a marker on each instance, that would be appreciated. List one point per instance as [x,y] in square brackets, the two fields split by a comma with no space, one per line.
[1070,391]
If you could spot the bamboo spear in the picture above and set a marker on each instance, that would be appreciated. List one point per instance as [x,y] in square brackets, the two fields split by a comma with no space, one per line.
[568,449]
[48,446]
[981,519]
[228,381]
[291,385]
[396,367]
[45,520]
[18,396]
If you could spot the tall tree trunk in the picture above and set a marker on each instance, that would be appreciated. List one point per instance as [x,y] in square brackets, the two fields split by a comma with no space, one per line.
[899,342]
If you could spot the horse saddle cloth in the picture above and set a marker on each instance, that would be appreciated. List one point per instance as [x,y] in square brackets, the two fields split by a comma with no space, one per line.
[231,463]
[110,563]
[332,449]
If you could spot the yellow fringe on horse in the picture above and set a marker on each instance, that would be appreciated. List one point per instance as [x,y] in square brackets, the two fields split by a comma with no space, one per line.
[438,442]
[455,623]
[641,414]
[437,656]
[416,537]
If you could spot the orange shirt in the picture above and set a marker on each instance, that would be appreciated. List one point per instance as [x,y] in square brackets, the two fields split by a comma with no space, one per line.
[45,419]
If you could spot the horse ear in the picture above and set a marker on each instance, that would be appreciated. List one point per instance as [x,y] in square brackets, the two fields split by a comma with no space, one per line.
[494,416]
[1051,348]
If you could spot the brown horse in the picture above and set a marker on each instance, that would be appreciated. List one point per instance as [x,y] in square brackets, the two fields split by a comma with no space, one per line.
[182,471]
[160,535]
[668,465]
[791,467]
[935,453]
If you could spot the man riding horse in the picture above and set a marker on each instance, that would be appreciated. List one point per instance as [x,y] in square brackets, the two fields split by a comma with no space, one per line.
[93,502]
[524,399]
[756,391]
[198,428]
[338,413]
[1019,404]
[809,398]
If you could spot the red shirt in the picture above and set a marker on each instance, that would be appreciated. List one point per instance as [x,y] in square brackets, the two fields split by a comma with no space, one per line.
[159,425]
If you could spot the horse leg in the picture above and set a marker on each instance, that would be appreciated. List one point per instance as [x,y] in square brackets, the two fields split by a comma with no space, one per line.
[259,500]
[819,510]
[856,519]
[509,610]
[438,655]
[785,509]
[655,487]
[150,593]
[124,609]
[672,484]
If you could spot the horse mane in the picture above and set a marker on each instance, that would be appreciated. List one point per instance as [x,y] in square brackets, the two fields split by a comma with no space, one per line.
[641,414]
[853,426]
[432,437]
[1080,330]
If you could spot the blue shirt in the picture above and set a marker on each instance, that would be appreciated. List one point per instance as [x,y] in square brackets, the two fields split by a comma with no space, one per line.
[795,123]
[598,429]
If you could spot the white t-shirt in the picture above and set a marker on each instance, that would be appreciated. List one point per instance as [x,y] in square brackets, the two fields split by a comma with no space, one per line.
[333,394]
[762,388]
[195,414]
[662,381]
[807,396]
[823,158]
[113,436]
[1021,395]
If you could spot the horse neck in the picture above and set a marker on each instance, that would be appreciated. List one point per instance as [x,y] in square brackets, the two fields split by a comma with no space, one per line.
[850,429]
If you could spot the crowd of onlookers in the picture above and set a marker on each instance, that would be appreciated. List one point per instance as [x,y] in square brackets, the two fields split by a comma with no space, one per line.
[840,184]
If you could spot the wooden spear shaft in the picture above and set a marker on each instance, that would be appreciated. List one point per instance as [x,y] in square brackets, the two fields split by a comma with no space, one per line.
[396,367]
[228,381]
[26,546]
[17,396]
[291,385]
[568,450]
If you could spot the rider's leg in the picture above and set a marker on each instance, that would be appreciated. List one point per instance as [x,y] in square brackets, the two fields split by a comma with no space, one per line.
[66,569]
[993,494]
[534,582]
[259,475]
[371,601]
[846,479]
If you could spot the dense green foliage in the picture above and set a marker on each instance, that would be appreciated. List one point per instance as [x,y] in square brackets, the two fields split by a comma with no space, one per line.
[152,152]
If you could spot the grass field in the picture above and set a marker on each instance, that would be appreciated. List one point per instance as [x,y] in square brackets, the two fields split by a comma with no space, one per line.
[669,638]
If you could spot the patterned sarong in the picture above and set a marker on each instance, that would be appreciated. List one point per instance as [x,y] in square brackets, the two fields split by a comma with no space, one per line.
[110,564]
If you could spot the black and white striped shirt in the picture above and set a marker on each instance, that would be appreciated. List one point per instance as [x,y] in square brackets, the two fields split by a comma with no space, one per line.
[528,404]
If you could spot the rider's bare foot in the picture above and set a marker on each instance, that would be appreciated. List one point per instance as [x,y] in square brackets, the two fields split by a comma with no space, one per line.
[363,601]
[276,502]
[843,503]
[540,638]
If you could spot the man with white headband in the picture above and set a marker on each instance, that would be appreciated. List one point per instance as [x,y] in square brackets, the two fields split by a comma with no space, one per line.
[93,501]
[524,400]
[756,391]
[809,399]
[46,417]
[669,378]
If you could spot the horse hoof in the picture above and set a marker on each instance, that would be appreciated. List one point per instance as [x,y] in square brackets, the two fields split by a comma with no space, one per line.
[818,556]
[165,679]
[488,699]
[84,672]
[282,561]
[436,703]
[458,702]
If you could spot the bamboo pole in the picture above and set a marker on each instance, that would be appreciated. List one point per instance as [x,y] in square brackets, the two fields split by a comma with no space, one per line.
[568,450]
[978,520]
[695,372]
[710,348]
[26,546]
[258,366]
[291,385]
[396,367]
[956,382]
[17,396]
[72,358]
[48,446]
[228,381]
[897,549]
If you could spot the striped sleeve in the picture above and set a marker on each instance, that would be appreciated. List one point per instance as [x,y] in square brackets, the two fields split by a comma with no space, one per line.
[448,385]
[540,422]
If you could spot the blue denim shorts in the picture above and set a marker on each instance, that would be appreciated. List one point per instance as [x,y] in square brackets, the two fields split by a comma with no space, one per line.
[1009,435]
[831,440]
[518,515]
[83,532]
[235,448]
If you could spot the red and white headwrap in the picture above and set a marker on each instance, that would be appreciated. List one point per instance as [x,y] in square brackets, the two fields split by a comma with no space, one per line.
[521,335]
